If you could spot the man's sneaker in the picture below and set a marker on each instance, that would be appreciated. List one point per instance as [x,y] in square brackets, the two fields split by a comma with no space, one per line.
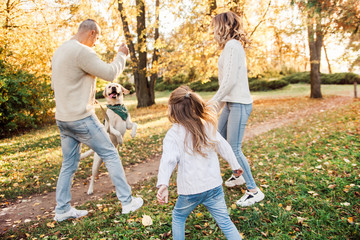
[135,204]
[73,213]
[233,181]
[250,198]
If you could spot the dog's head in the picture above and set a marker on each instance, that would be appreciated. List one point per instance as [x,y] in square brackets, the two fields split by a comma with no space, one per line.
[113,93]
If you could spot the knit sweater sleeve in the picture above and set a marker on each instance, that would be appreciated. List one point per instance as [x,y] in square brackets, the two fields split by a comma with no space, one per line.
[225,151]
[90,63]
[169,159]
[230,70]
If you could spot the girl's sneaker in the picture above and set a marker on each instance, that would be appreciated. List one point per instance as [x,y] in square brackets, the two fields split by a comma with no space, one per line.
[250,198]
[233,181]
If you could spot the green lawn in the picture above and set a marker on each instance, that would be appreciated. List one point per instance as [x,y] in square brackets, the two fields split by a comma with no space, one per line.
[309,173]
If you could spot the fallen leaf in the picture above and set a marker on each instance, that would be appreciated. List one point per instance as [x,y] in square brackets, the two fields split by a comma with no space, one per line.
[146,220]
[50,224]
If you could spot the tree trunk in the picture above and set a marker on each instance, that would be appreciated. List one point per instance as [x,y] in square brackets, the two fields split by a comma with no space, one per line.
[315,43]
[144,92]
[154,68]
[212,7]
[327,59]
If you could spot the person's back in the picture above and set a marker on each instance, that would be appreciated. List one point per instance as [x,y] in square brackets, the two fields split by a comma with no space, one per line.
[192,144]
[74,88]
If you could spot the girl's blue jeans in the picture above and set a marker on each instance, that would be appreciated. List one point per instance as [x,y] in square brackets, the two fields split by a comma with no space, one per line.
[232,123]
[214,201]
[92,133]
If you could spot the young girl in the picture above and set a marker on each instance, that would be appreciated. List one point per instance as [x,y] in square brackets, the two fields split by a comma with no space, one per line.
[192,143]
[234,95]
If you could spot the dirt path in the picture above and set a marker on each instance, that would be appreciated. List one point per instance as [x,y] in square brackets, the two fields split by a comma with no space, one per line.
[42,206]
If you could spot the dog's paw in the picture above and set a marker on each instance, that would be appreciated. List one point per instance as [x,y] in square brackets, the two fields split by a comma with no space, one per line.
[90,191]
[133,130]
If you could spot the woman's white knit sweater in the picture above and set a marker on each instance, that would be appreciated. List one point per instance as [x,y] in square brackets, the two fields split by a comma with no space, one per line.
[195,173]
[74,69]
[233,80]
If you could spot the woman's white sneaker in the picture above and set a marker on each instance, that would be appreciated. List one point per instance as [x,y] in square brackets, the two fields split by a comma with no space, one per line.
[250,198]
[233,181]
[72,213]
[135,204]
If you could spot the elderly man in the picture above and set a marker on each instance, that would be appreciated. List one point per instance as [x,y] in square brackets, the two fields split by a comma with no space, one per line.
[75,66]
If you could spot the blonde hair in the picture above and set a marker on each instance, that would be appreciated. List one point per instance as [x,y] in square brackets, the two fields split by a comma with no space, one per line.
[229,26]
[188,109]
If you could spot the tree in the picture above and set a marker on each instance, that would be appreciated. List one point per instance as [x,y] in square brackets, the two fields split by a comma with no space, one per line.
[145,87]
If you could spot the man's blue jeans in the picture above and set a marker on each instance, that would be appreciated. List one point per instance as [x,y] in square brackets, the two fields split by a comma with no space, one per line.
[231,126]
[92,133]
[214,201]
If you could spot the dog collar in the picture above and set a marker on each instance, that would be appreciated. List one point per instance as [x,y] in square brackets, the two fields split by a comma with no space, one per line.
[120,110]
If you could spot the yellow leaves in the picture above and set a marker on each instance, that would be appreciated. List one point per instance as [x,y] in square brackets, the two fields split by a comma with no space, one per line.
[50,224]
[233,206]
[350,220]
[288,208]
[313,193]
[146,220]
[199,215]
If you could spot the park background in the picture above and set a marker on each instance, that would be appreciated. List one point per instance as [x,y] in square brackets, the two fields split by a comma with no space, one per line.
[303,55]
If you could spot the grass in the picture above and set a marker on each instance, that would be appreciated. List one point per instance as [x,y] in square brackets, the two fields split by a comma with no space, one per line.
[23,158]
[309,173]
[316,156]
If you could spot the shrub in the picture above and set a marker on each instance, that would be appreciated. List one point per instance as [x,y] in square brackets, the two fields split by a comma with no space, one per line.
[171,84]
[26,101]
[211,85]
[334,78]
[264,85]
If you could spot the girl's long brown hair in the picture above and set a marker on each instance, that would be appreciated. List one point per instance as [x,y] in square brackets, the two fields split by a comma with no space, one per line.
[188,109]
[229,26]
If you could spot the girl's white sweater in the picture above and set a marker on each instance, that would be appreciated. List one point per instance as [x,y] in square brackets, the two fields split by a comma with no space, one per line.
[195,173]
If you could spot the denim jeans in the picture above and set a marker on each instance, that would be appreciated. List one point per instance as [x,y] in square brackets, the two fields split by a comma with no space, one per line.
[232,123]
[92,133]
[214,201]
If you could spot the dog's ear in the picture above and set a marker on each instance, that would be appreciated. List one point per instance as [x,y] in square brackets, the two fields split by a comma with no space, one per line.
[124,90]
[104,93]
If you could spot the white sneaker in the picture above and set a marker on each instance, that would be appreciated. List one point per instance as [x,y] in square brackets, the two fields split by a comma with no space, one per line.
[233,181]
[135,204]
[250,198]
[73,213]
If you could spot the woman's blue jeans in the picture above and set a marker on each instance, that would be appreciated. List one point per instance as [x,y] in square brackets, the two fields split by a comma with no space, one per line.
[232,123]
[214,201]
[92,133]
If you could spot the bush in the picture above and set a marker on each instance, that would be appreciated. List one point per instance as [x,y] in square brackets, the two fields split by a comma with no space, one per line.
[26,101]
[334,78]
[211,85]
[263,85]
[171,84]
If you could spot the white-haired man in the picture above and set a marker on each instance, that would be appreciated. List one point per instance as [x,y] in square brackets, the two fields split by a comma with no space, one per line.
[75,66]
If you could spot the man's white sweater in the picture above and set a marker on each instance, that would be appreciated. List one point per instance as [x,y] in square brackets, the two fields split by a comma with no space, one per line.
[75,67]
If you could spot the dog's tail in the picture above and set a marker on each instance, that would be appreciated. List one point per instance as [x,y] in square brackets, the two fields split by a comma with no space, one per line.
[87,154]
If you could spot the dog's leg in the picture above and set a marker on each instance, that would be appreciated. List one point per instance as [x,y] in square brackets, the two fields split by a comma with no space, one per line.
[95,170]
[131,125]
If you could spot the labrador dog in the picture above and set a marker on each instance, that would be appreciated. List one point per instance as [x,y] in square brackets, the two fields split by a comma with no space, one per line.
[118,122]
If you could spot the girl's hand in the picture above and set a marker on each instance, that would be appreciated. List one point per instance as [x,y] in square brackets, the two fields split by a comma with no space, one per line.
[163,194]
[238,172]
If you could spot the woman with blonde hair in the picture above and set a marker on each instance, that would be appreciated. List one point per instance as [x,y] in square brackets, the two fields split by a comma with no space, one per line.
[234,95]
[192,143]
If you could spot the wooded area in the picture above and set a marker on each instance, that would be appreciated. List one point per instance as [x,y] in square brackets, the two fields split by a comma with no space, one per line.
[172,42]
